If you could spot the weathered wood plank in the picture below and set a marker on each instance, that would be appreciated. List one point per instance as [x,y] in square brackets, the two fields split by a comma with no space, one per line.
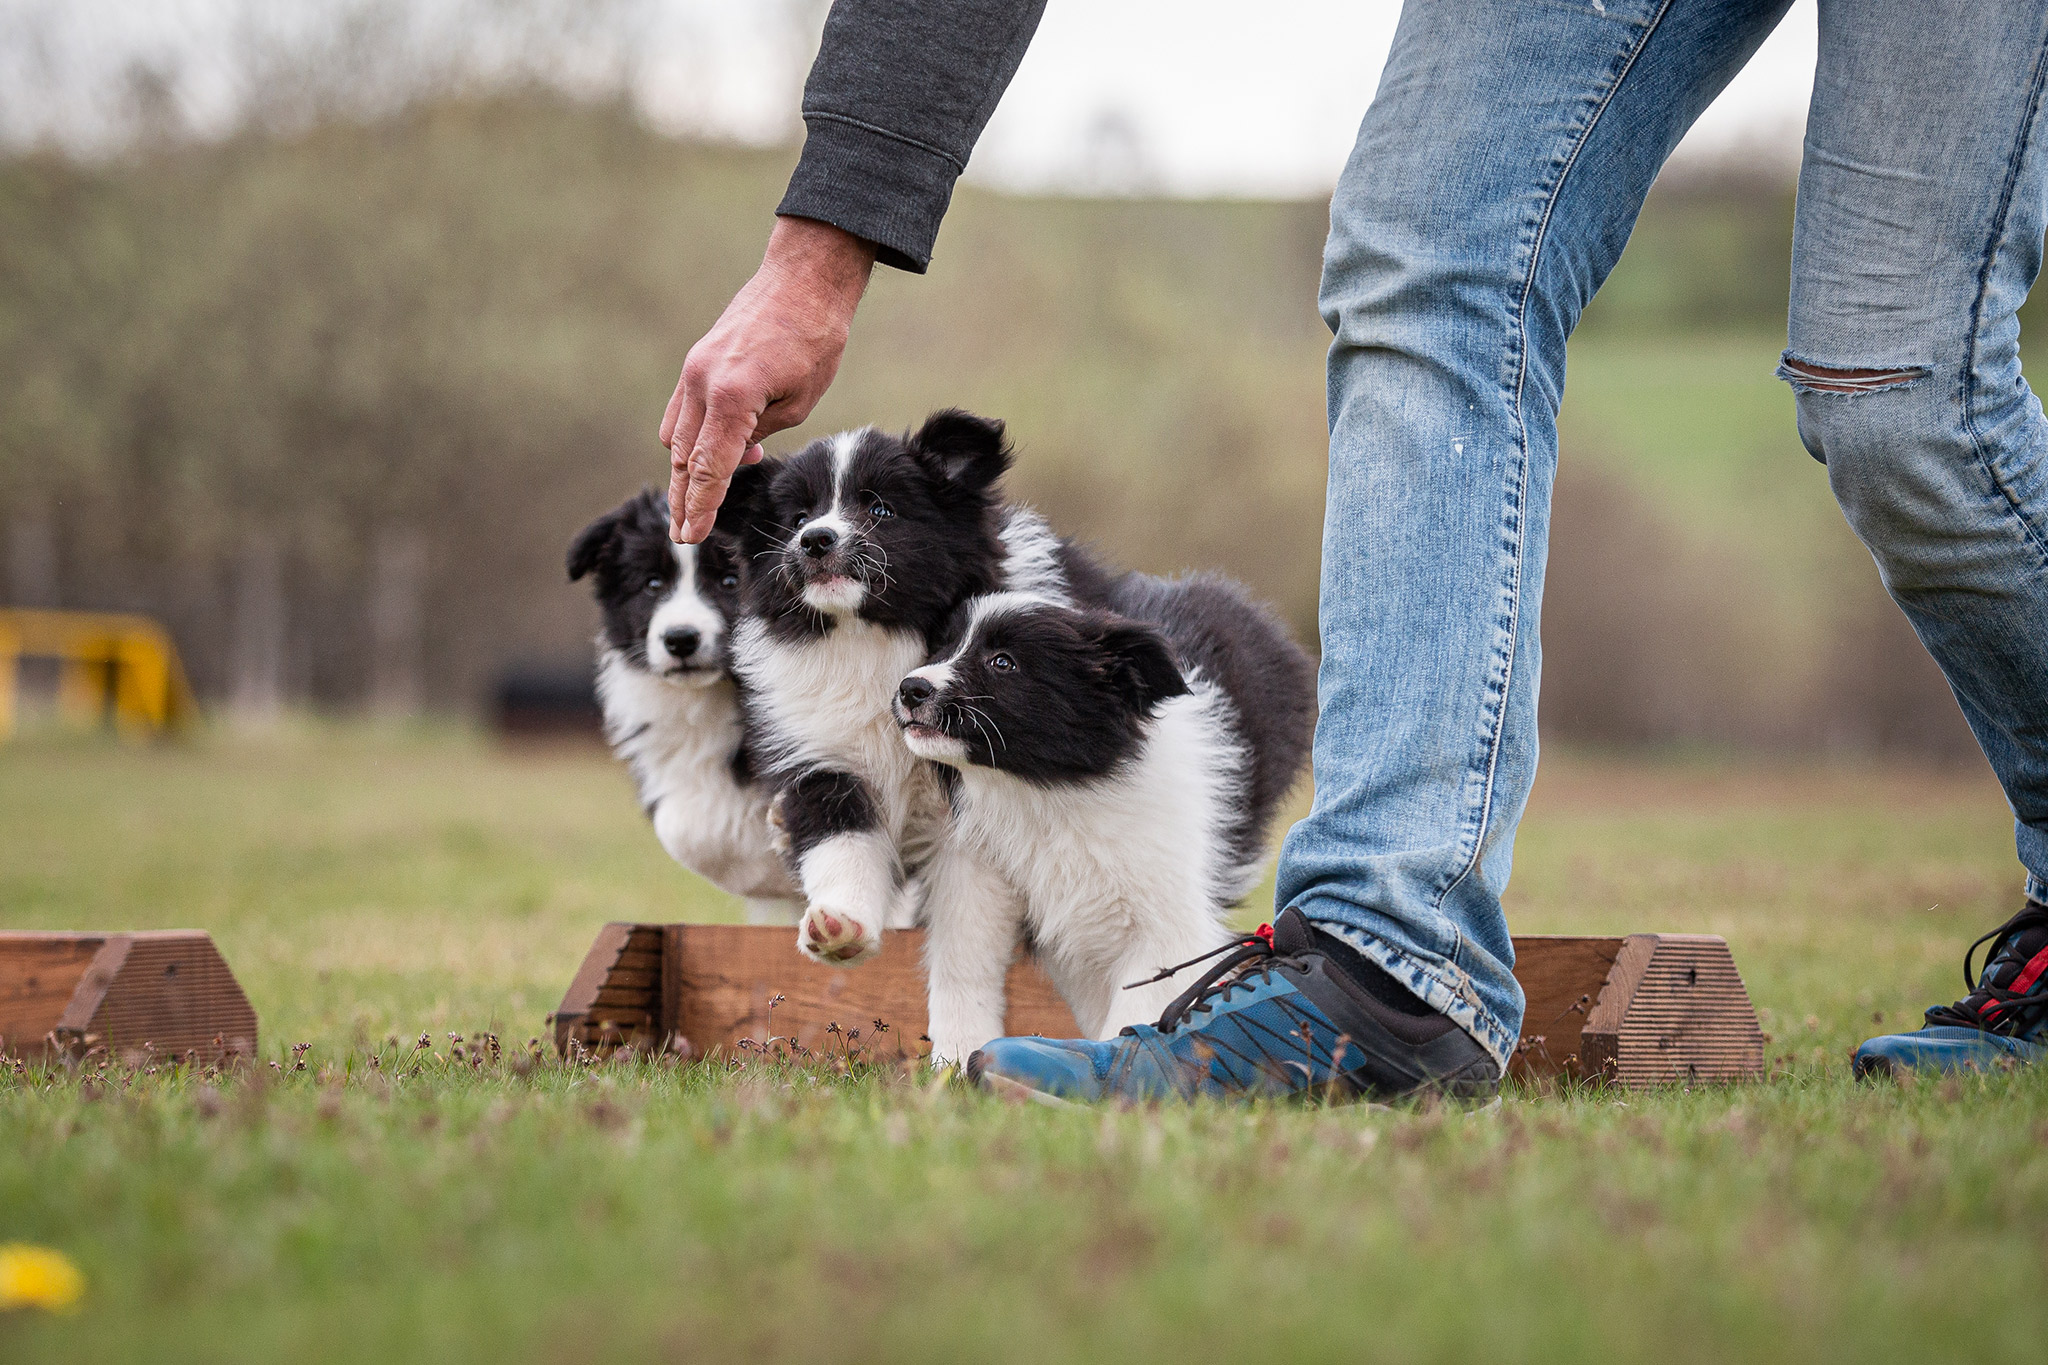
[38,974]
[1561,979]
[729,978]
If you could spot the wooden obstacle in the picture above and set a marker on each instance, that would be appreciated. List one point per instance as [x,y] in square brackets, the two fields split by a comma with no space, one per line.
[1647,1009]
[166,993]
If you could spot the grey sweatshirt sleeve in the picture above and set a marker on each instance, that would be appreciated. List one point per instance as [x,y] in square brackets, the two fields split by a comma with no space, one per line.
[899,94]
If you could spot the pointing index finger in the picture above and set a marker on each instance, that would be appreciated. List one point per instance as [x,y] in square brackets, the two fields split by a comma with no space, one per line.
[721,444]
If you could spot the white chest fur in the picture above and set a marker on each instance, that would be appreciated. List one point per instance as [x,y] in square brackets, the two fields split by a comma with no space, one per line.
[824,701]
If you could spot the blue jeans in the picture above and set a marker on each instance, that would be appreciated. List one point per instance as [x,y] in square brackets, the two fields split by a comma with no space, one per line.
[1494,183]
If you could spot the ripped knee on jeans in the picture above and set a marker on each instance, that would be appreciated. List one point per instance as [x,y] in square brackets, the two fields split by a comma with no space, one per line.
[1807,377]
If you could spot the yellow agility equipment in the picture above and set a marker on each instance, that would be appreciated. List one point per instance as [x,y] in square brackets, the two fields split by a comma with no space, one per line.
[120,669]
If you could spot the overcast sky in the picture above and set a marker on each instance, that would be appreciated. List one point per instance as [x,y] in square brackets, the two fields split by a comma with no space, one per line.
[1265,95]
[1181,96]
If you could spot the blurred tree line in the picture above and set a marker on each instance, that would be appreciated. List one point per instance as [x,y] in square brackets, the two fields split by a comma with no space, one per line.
[330,393]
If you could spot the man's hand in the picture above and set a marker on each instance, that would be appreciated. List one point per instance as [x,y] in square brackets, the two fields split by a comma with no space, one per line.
[763,366]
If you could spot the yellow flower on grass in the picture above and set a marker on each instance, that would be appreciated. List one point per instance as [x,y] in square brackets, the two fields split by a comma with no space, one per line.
[37,1277]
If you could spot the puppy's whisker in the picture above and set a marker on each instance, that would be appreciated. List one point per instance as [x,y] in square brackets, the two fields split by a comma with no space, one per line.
[863,561]
[977,725]
[884,570]
[981,715]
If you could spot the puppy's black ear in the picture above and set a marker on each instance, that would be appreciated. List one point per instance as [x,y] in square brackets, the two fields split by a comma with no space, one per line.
[746,497]
[966,449]
[1139,663]
[594,542]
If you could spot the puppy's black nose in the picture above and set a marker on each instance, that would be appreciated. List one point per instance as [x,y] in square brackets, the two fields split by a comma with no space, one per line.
[915,692]
[681,642]
[817,541]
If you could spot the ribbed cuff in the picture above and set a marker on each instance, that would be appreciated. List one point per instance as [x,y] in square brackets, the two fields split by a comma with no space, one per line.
[878,186]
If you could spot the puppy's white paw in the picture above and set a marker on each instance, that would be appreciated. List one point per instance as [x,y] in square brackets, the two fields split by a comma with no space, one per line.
[838,937]
[957,1030]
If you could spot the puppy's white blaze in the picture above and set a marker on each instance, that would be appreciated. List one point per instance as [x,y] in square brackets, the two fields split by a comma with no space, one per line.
[984,609]
[684,606]
[844,447]
[939,675]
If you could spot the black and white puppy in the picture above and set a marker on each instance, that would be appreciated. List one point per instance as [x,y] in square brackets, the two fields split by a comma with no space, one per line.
[1118,764]
[672,709]
[860,548]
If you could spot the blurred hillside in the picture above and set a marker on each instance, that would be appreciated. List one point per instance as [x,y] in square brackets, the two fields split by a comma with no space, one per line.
[332,404]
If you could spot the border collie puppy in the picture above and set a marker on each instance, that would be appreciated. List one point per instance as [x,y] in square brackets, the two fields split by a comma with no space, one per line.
[860,547]
[672,710]
[1117,768]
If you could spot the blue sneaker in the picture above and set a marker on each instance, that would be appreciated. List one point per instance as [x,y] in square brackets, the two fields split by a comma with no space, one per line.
[1289,1014]
[2002,1021]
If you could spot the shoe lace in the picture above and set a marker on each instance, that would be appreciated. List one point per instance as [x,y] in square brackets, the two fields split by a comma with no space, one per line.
[1997,1009]
[1233,972]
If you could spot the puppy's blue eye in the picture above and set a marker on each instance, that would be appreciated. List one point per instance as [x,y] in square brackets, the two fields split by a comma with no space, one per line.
[1002,663]
[729,582]
[879,510]
[801,518]
[653,586]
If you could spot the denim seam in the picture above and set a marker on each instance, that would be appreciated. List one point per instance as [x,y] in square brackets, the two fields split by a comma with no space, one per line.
[1500,703]
[2001,219]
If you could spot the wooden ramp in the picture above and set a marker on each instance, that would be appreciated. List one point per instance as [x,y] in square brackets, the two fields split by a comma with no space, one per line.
[1646,1009]
[167,993]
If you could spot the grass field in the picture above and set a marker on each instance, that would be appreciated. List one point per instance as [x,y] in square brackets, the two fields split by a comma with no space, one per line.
[370,886]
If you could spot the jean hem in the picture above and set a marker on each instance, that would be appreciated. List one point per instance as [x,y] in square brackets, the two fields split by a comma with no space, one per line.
[1438,984]
[2037,890]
